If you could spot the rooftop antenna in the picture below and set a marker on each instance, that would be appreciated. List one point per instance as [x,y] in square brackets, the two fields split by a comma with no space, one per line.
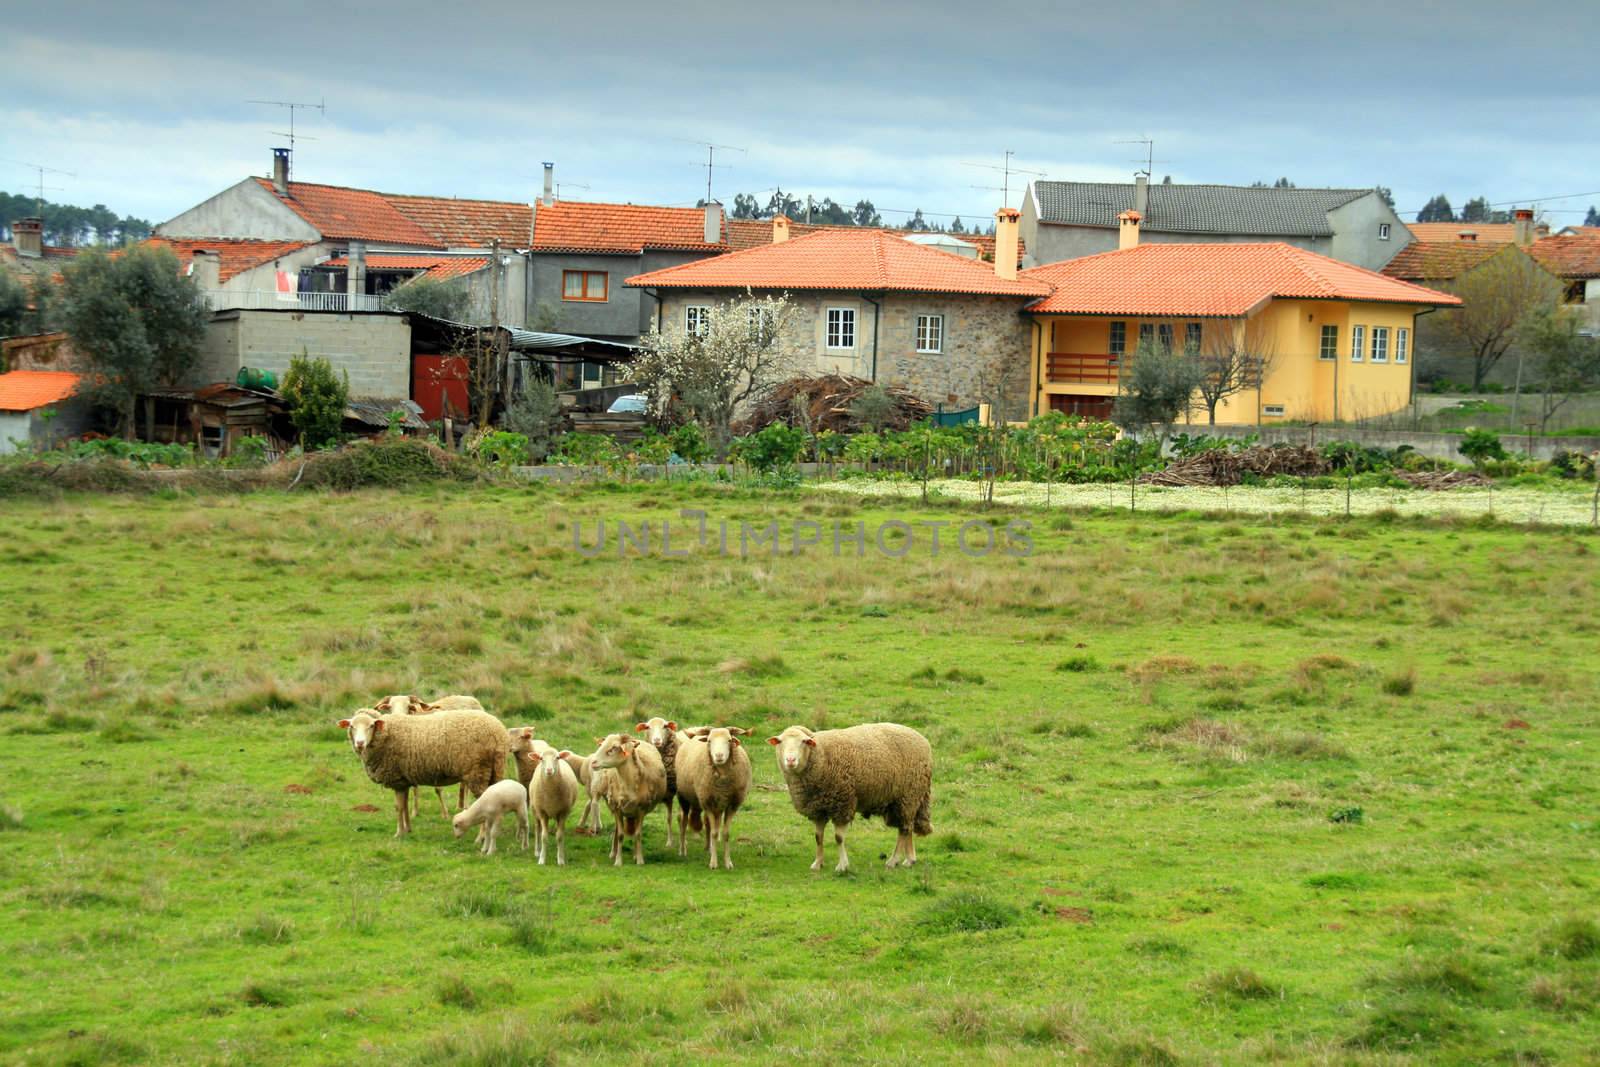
[1149,161]
[711,159]
[42,170]
[570,185]
[320,106]
[1006,170]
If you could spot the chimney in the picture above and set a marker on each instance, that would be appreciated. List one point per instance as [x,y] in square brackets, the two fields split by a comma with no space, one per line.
[1468,235]
[780,229]
[1128,230]
[280,170]
[1522,220]
[549,185]
[1141,194]
[1005,243]
[28,236]
[713,223]
[206,269]
[356,271]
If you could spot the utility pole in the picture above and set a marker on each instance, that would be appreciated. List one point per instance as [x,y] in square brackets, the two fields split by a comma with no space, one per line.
[490,375]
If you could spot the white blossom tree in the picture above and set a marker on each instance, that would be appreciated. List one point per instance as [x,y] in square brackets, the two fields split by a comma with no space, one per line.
[732,358]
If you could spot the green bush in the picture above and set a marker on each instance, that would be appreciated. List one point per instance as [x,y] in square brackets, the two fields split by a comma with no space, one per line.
[689,442]
[387,461]
[317,399]
[502,448]
[588,450]
[1480,446]
[777,447]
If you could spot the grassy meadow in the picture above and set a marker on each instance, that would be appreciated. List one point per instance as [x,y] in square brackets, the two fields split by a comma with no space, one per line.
[1207,790]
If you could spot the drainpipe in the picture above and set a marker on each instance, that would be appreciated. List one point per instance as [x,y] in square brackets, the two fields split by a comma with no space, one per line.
[1412,356]
[877,313]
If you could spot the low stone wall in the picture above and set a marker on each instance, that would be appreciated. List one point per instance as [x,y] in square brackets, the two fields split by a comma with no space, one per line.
[1435,445]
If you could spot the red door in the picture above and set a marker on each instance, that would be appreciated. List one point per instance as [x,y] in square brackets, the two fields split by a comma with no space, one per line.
[439,386]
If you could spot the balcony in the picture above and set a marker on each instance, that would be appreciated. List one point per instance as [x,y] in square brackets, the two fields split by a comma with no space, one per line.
[1074,368]
[266,299]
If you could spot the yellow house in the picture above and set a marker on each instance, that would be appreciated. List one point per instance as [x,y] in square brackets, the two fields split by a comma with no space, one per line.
[1302,335]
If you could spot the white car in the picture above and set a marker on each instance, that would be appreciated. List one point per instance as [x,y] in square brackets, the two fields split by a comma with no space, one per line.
[632,402]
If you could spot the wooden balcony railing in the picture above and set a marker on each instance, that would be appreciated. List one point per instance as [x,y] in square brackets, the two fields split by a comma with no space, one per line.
[1081,368]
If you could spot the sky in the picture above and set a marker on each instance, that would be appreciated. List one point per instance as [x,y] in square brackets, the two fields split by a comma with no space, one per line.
[145,105]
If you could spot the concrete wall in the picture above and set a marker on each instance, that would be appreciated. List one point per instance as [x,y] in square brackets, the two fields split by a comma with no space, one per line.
[622,316]
[1355,232]
[1436,445]
[245,210]
[374,348]
[16,428]
[25,429]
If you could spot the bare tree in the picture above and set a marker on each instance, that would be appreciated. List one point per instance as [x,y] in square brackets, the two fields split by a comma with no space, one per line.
[1566,361]
[1233,356]
[1497,297]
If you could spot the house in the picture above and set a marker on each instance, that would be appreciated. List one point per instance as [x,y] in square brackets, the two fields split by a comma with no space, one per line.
[1322,338]
[1490,232]
[745,234]
[869,304]
[39,407]
[27,254]
[1065,220]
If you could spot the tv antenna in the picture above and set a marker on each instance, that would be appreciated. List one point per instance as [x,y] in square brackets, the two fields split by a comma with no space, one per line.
[41,170]
[1006,170]
[320,106]
[711,163]
[1149,161]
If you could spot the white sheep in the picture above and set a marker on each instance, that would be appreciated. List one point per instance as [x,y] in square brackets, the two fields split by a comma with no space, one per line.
[504,798]
[401,752]
[713,780]
[414,705]
[551,796]
[636,784]
[594,784]
[875,769]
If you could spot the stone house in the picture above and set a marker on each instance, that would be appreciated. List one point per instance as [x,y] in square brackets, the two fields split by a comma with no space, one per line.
[870,304]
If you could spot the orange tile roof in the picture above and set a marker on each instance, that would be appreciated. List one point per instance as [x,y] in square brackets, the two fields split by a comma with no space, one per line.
[468,223]
[1575,256]
[1488,232]
[843,259]
[237,256]
[352,214]
[1435,261]
[29,390]
[572,226]
[1211,280]
[753,233]
[433,266]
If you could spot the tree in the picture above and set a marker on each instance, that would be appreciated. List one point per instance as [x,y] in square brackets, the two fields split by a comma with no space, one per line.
[745,207]
[1154,389]
[136,321]
[1497,297]
[865,214]
[916,223]
[535,413]
[1593,217]
[1232,357]
[873,409]
[782,203]
[1385,194]
[1437,210]
[450,301]
[957,227]
[1475,210]
[317,399]
[14,304]
[731,361]
[1565,360]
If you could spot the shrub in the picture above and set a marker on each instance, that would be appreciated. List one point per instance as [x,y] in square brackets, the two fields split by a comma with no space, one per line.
[773,448]
[316,398]
[502,448]
[1401,683]
[1480,446]
[689,442]
[1574,939]
[535,413]
[968,913]
[389,462]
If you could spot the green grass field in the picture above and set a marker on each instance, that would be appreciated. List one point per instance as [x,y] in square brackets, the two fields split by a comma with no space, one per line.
[1206,790]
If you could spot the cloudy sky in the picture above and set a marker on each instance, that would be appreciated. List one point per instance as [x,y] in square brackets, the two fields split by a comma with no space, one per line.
[147,103]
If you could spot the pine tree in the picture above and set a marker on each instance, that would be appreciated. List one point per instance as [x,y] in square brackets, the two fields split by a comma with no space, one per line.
[1592,218]
[1475,210]
[1437,210]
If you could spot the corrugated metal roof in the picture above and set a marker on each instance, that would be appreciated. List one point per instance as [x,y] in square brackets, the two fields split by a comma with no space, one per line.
[1219,209]
[375,411]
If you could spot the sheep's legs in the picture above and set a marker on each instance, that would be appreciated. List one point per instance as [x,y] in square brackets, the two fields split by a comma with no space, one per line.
[638,842]
[911,850]
[561,841]
[817,864]
[727,852]
[669,822]
[711,838]
[541,835]
[522,828]
[492,830]
[616,840]
[402,804]
[844,857]
[444,809]
[901,856]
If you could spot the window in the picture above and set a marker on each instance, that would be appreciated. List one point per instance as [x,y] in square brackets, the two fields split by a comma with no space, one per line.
[1358,341]
[1147,335]
[758,320]
[584,285]
[1383,231]
[1272,411]
[1402,341]
[1330,343]
[696,320]
[1380,344]
[1118,344]
[841,328]
[1191,337]
[1164,330]
[1577,292]
[593,376]
[930,333]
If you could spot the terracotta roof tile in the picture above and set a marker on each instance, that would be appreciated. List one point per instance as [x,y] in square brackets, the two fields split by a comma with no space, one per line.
[572,226]
[1488,232]
[1225,280]
[843,259]
[236,256]
[433,266]
[352,214]
[468,223]
[753,233]
[1437,261]
[29,390]
[1575,256]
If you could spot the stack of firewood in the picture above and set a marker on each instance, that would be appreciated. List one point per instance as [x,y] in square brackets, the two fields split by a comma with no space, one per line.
[824,403]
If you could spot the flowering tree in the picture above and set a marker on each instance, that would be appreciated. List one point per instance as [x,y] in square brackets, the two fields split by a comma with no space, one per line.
[733,357]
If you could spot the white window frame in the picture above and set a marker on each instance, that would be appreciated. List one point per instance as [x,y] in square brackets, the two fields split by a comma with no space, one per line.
[1272,411]
[696,320]
[1380,344]
[1383,231]
[758,319]
[1327,353]
[1358,343]
[930,334]
[837,322]
[1402,344]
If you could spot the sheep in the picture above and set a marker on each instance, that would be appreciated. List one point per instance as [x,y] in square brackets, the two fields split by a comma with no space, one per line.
[665,736]
[503,798]
[443,748]
[413,705]
[713,780]
[594,783]
[554,790]
[875,769]
[527,749]
[637,782]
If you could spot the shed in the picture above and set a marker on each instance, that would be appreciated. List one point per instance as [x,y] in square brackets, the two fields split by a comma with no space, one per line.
[217,417]
[31,405]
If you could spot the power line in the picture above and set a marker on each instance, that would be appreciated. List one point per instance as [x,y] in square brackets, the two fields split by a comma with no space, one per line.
[1519,201]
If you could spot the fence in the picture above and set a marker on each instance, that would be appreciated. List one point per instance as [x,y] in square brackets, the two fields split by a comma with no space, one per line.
[1434,445]
[268,300]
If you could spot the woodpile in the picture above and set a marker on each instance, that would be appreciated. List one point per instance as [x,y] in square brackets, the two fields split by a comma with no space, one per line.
[626,427]
[1225,467]
[826,401]
[1455,479]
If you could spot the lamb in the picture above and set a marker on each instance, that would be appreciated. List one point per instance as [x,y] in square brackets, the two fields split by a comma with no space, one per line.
[713,780]
[594,783]
[665,736]
[503,798]
[637,782]
[878,768]
[554,790]
[413,705]
[527,749]
[442,748]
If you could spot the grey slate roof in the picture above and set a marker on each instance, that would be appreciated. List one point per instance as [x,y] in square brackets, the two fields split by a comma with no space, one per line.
[1217,209]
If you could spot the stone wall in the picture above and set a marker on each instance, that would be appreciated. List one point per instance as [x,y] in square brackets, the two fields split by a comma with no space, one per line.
[373,348]
[1435,445]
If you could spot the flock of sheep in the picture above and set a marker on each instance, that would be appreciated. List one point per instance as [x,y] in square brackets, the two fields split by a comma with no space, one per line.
[404,744]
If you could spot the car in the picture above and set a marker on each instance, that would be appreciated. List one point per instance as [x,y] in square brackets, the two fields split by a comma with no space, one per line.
[632,402]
